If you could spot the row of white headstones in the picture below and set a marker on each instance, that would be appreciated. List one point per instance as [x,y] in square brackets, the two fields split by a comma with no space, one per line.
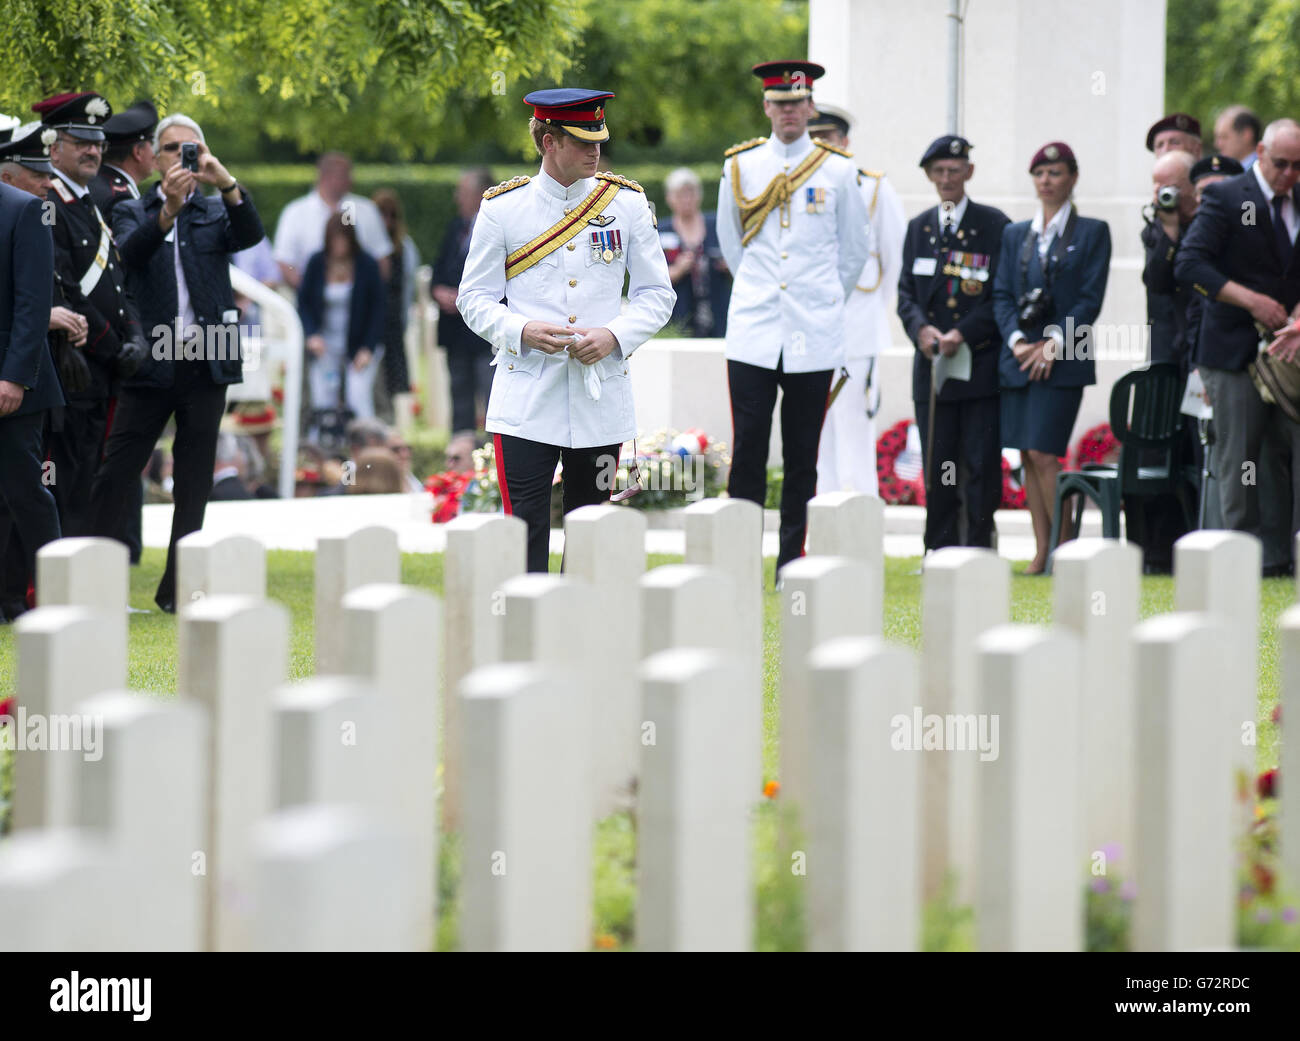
[254,813]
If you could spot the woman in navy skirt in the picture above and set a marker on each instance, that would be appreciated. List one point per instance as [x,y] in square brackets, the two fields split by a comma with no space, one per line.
[1049,285]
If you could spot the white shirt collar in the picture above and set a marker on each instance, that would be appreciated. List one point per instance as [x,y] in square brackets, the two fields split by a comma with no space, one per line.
[577,190]
[1054,227]
[797,148]
[958,212]
[77,189]
[1264,186]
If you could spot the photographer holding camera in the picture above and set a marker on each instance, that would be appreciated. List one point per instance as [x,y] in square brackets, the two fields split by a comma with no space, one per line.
[94,285]
[1052,276]
[176,245]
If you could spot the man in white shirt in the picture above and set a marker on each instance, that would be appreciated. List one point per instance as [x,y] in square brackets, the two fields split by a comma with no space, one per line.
[301,229]
[793,229]
[558,246]
[846,458]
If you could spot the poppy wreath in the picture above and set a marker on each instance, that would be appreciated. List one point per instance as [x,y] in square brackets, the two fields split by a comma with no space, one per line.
[896,490]
[1098,445]
[447,490]
[1013,494]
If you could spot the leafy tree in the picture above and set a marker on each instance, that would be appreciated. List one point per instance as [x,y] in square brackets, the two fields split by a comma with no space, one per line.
[1223,51]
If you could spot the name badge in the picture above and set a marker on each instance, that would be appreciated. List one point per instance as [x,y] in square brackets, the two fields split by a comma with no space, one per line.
[924,266]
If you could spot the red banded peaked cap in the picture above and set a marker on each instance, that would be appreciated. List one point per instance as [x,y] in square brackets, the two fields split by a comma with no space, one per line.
[579,111]
[787,80]
[1052,152]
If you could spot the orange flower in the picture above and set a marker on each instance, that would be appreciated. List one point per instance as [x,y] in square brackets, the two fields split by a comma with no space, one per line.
[605,942]
[771,788]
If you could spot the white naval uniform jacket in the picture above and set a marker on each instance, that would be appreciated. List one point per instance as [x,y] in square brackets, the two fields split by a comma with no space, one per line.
[787,300]
[546,397]
[869,312]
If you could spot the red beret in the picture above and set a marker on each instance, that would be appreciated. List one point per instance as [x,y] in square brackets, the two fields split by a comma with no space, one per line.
[1053,152]
[1180,121]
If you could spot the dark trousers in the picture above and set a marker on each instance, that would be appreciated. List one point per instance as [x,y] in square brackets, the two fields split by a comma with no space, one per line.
[29,518]
[76,444]
[469,368]
[965,470]
[141,416]
[525,471]
[803,409]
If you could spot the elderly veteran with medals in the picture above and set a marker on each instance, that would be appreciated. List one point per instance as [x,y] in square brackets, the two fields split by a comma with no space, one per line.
[793,228]
[558,247]
[945,300]
[1049,285]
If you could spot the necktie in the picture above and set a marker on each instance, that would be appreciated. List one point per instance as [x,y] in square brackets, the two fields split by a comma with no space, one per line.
[945,235]
[1280,232]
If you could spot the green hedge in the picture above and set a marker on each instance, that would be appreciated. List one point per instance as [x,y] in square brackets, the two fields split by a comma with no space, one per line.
[428,191]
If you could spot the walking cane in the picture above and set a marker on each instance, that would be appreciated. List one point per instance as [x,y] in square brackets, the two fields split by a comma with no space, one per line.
[1207,446]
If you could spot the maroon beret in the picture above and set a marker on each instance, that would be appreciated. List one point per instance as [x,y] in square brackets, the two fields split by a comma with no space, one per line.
[1180,121]
[1053,152]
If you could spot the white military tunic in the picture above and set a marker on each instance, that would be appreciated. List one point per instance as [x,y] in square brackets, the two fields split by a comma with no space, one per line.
[551,398]
[787,300]
[846,456]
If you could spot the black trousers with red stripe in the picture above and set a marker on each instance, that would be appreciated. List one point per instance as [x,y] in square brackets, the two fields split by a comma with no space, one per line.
[803,409]
[525,472]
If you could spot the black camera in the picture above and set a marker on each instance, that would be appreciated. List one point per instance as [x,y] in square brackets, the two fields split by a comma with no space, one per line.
[1035,307]
[190,156]
[1167,197]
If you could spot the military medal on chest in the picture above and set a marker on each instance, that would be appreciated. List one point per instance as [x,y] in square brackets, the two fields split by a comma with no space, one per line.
[816,200]
[606,246]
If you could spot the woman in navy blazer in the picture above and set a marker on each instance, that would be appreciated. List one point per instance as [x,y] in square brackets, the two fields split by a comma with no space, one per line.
[343,355]
[1047,351]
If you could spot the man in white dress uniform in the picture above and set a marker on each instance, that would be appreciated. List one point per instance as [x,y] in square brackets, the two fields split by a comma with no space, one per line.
[846,458]
[557,247]
[793,229]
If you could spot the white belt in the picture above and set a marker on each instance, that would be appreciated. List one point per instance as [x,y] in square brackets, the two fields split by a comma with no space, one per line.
[97,266]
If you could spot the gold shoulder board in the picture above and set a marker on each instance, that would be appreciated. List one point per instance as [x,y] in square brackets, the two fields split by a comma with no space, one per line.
[877,174]
[622,182]
[831,148]
[505,186]
[745,146]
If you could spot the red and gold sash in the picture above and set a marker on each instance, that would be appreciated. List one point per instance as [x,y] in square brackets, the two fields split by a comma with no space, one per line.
[562,230]
[753,212]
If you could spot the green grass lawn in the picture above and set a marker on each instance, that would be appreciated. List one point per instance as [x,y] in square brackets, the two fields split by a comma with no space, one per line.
[152,668]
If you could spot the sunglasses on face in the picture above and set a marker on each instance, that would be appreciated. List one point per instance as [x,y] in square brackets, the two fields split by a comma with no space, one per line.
[1283,165]
[175,146]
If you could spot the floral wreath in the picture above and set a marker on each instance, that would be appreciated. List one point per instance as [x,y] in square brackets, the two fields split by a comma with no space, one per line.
[896,490]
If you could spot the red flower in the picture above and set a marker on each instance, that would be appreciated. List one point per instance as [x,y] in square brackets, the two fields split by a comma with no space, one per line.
[8,706]
[1263,878]
[1266,784]
[447,490]
[277,393]
[1277,714]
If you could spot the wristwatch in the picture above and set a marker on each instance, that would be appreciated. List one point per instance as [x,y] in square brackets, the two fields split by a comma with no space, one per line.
[230,187]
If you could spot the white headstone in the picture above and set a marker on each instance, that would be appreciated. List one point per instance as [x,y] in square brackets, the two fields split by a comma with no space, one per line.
[1288,646]
[329,879]
[1218,572]
[1185,845]
[604,547]
[393,638]
[145,790]
[963,593]
[85,572]
[367,556]
[1097,585]
[821,598]
[1026,735]
[688,605]
[727,534]
[694,886]
[236,655]
[53,897]
[65,654]
[334,744]
[526,848]
[208,564]
[483,550]
[852,525]
[864,798]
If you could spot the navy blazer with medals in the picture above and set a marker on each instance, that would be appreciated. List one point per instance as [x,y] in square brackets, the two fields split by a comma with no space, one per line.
[1220,246]
[923,298]
[27,278]
[1078,286]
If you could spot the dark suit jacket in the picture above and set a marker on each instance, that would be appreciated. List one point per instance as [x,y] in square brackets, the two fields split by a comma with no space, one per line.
[366,313]
[453,333]
[1166,299]
[209,232]
[922,299]
[1221,246]
[1078,287]
[26,286]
